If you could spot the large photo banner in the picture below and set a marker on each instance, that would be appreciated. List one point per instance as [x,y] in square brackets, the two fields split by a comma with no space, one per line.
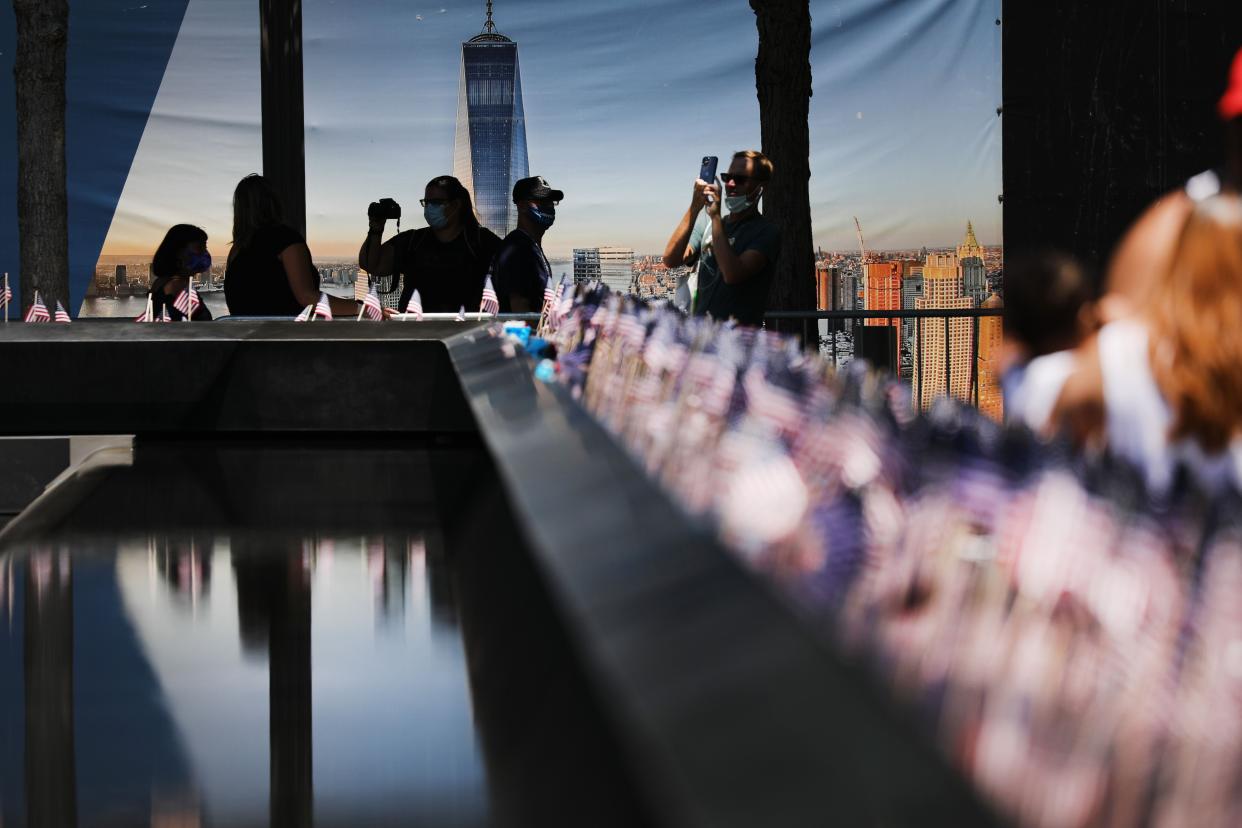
[615,103]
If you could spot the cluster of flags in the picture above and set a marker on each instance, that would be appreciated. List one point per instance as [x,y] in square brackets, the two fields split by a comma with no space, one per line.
[322,309]
[38,311]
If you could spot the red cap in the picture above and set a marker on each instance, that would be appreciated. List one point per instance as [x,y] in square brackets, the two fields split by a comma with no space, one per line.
[1230,105]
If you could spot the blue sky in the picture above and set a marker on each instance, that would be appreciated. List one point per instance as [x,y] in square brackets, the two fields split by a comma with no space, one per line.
[622,99]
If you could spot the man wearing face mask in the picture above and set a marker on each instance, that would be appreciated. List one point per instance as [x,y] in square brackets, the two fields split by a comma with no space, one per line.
[521,269]
[735,253]
[446,261]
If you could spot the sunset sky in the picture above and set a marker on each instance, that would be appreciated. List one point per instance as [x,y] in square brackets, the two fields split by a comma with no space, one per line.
[622,99]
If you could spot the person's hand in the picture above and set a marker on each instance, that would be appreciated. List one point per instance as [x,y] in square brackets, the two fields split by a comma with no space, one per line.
[698,198]
[389,313]
[711,192]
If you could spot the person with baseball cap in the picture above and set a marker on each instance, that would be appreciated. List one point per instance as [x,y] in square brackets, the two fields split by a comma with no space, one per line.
[1147,248]
[520,269]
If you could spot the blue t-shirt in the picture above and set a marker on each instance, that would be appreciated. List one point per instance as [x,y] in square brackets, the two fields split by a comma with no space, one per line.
[747,301]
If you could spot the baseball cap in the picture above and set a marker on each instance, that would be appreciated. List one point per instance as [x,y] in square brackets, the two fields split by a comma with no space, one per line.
[535,188]
[1230,105]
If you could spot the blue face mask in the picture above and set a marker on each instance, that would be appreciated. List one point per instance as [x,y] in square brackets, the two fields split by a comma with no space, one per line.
[544,220]
[436,216]
[199,262]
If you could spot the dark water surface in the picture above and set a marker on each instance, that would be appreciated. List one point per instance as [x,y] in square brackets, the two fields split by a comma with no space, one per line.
[283,642]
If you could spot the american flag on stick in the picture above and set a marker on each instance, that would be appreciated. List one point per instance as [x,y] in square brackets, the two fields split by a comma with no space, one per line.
[415,305]
[188,302]
[461,314]
[306,314]
[490,303]
[38,311]
[148,315]
[164,317]
[61,314]
[6,295]
[323,308]
[371,307]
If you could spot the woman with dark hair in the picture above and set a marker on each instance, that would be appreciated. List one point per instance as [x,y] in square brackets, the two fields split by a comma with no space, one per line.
[446,261]
[270,272]
[181,255]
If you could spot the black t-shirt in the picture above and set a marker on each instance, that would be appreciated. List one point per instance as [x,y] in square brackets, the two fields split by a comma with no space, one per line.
[255,282]
[160,300]
[448,275]
[520,270]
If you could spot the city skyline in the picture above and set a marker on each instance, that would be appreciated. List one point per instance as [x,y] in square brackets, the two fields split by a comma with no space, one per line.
[909,141]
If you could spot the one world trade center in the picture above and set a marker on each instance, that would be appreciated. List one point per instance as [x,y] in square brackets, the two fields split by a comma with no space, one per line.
[489,150]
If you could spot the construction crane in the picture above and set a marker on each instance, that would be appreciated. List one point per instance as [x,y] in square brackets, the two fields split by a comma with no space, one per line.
[862,250]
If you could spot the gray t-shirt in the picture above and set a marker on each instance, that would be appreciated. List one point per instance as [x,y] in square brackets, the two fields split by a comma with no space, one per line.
[746,302]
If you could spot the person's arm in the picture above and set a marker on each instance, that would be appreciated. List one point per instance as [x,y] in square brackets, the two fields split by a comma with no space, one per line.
[679,251]
[376,258]
[735,268]
[1079,412]
[304,282]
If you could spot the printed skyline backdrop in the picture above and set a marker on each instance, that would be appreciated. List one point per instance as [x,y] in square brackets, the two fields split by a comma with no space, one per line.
[622,98]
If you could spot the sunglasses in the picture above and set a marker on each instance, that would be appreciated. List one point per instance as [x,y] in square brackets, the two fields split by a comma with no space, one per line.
[544,202]
[730,178]
[434,202]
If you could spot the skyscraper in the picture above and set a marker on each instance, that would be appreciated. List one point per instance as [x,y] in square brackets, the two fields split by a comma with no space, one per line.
[883,289]
[974,271]
[489,150]
[614,266]
[990,343]
[942,364]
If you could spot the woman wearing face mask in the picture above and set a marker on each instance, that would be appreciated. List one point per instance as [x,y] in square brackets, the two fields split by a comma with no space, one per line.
[446,261]
[182,254]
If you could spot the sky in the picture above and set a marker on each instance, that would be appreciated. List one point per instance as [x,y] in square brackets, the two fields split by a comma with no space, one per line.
[622,99]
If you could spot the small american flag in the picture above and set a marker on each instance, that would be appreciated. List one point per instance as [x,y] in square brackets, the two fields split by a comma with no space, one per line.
[549,295]
[187,301]
[371,307]
[415,305]
[323,308]
[306,314]
[61,315]
[38,311]
[164,317]
[461,315]
[6,295]
[491,302]
[147,315]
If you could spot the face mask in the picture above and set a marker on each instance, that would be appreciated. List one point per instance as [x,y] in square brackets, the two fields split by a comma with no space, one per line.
[436,215]
[541,218]
[199,262]
[740,203]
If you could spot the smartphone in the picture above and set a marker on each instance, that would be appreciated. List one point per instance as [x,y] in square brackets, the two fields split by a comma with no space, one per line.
[707,172]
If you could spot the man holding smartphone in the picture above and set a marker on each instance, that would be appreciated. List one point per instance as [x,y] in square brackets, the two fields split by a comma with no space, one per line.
[735,253]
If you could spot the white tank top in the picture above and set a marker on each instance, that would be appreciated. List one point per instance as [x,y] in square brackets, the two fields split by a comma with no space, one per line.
[1138,418]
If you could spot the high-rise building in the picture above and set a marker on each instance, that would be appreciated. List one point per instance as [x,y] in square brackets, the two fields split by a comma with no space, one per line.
[911,292]
[942,349]
[614,266]
[974,271]
[882,289]
[847,290]
[586,265]
[120,276]
[990,333]
[489,150]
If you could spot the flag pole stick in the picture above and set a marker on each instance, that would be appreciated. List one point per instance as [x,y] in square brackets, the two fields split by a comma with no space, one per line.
[5,296]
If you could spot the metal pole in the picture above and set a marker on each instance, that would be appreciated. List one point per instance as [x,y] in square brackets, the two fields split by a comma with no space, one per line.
[284,121]
[974,359]
[918,356]
[948,371]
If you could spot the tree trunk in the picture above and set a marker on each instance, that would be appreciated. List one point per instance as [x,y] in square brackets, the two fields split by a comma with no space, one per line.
[42,205]
[783,82]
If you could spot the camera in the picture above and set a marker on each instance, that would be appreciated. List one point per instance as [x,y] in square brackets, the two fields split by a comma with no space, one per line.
[385,208]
